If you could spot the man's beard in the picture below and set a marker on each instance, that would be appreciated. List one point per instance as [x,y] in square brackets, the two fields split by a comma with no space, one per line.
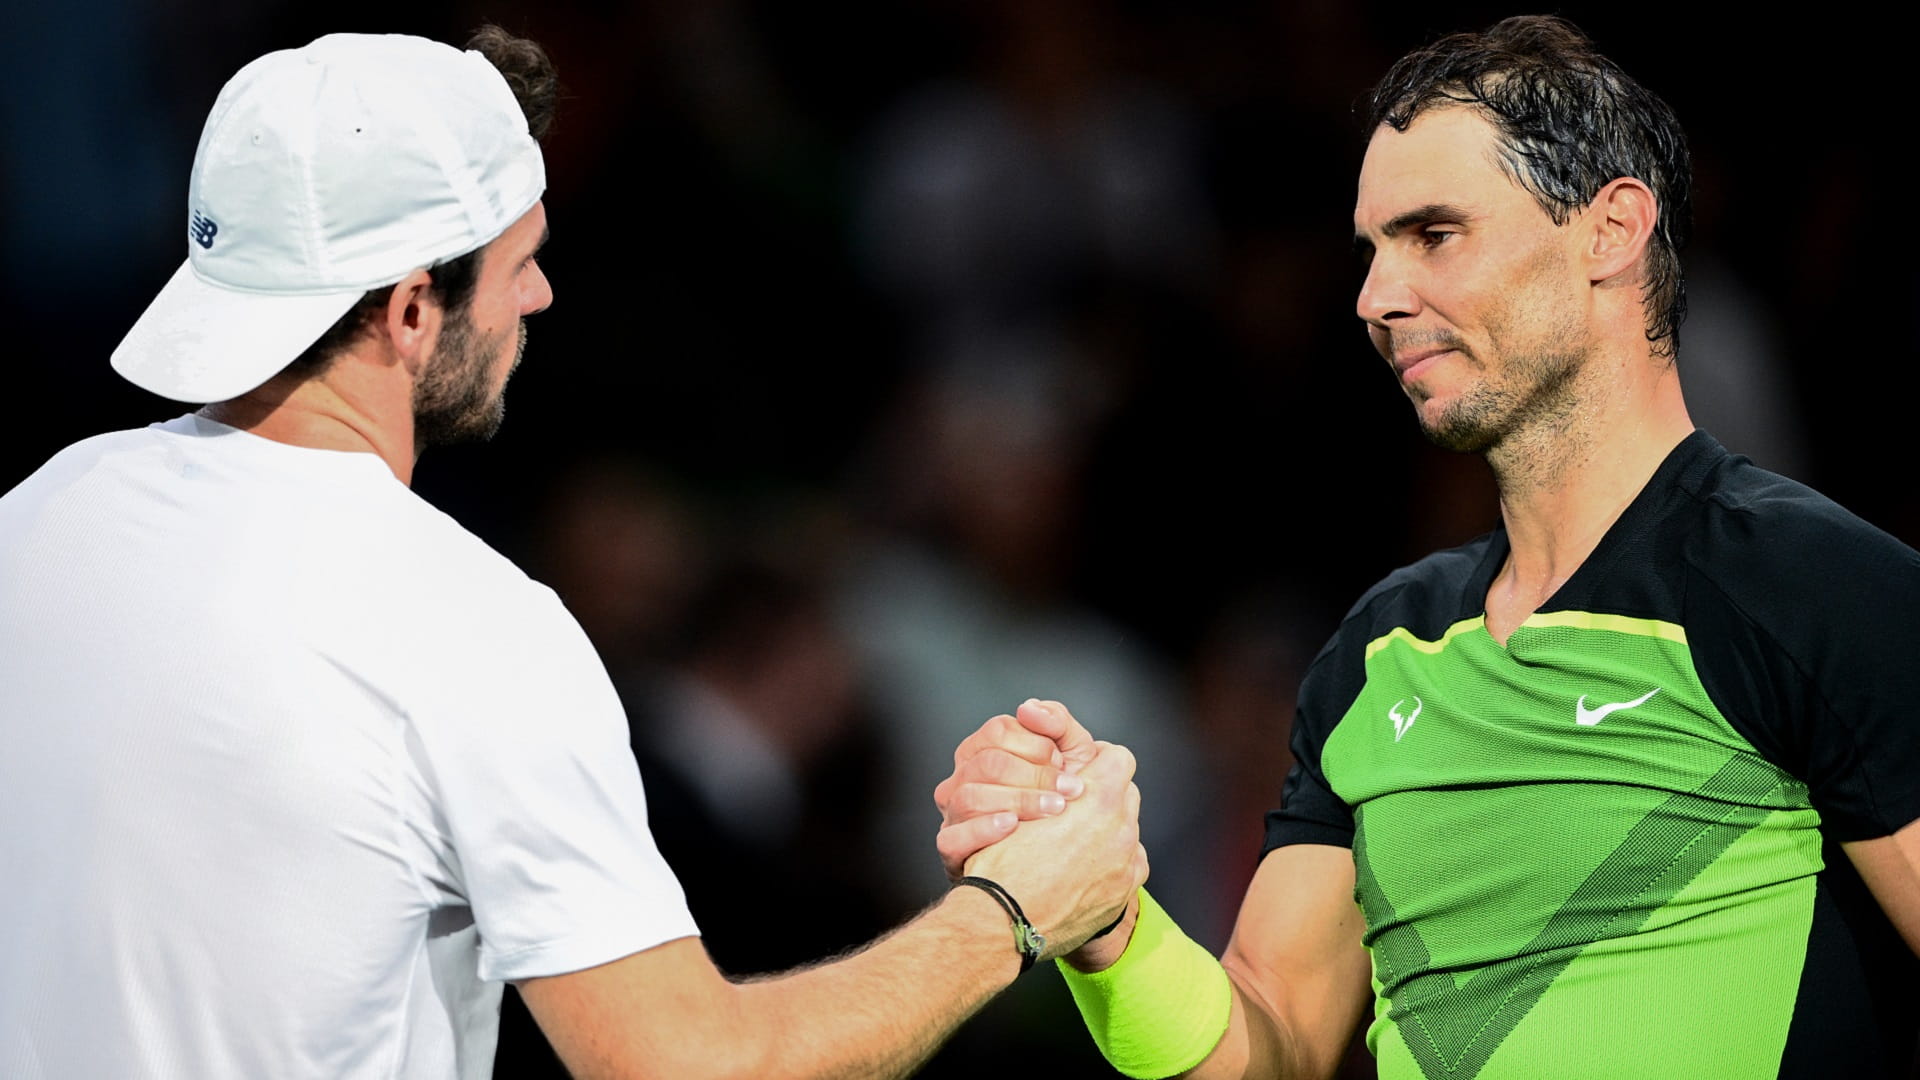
[1542,350]
[1534,386]
[1535,389]
[455,401]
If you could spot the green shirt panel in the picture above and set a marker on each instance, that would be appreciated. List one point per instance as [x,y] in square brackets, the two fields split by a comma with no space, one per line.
[1723,1016]
[1677,847]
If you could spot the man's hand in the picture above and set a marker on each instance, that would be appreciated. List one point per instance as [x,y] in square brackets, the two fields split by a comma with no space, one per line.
[1015,768]
[1076,872]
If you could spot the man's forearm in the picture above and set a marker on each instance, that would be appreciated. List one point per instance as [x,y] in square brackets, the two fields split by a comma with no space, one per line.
[883,1011]
[880,1012]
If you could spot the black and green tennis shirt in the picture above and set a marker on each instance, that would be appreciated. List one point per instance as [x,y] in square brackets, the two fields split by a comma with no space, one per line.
[1610,848]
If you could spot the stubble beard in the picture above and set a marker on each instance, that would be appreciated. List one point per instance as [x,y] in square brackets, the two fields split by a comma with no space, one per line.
[1541,350]
[455,401]
[1535,391]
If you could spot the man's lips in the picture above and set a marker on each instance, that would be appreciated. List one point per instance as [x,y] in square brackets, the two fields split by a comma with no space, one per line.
[1411,365]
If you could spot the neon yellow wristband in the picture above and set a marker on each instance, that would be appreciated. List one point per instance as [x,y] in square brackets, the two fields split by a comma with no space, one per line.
[1162,1007]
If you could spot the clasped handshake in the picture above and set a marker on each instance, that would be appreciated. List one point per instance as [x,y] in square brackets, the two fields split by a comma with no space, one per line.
[1036,804]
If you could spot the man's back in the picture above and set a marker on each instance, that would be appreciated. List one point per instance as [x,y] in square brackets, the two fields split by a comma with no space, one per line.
[287,754]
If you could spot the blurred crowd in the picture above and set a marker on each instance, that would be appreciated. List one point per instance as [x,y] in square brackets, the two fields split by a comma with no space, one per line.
[909,360]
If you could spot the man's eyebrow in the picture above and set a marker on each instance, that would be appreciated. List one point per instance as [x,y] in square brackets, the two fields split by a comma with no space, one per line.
[1419,216]
[1430,214]
[546,233]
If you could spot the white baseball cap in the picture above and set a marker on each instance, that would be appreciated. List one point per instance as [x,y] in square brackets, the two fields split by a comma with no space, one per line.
[324,172]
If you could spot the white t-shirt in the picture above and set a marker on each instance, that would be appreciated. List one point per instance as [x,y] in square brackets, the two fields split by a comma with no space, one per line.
[294,771]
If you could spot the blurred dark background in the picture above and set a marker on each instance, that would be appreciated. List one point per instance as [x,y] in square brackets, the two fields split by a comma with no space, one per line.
[910,359]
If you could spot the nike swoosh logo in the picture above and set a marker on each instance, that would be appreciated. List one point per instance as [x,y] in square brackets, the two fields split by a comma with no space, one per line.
[1586,717]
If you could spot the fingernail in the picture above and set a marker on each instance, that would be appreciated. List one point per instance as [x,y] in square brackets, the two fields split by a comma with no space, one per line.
[1070,785]
[1052,803]
[1034,702]
[1005,821]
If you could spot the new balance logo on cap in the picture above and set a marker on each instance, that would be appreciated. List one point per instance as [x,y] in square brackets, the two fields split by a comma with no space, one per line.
[202,229]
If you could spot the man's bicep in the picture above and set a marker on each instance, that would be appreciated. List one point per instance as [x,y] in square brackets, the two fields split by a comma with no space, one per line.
[1890,866]
[1298,965]
[662,1012]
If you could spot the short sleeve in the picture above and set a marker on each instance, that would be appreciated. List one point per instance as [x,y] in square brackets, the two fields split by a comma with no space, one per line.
[526,748]
[1310,812]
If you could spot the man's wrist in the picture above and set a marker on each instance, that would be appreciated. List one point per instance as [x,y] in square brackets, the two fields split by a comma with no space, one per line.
[982,923]
[1027,941]
[1162,1008]
[1103,950]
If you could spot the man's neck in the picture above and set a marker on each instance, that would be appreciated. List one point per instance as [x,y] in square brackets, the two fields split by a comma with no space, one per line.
[1564,482]
[331,412]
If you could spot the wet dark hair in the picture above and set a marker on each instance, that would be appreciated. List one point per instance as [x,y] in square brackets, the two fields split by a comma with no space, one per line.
[1569,122]
[530,74]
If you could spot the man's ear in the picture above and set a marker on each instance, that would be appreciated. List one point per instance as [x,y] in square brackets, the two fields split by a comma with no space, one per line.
[1621,220]
[413,319]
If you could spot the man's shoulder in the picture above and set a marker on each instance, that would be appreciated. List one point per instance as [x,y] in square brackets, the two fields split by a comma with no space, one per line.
[1769,561]
[427,570]
[325,529]
[1751,530]
[1423,598]
[1428,596]
[1733,487]
[77,457]
[450,550]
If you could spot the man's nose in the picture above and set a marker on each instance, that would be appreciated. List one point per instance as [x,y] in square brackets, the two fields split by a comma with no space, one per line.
[539,294]
[1386,294]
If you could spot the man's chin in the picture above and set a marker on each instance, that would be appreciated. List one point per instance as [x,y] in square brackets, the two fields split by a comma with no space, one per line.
[1448,429]
[476,426]
[484,427]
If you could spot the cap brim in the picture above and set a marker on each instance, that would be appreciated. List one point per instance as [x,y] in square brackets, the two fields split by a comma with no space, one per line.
[199,342]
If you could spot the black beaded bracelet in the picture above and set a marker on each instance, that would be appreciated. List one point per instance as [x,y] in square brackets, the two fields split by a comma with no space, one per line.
[1025,938]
